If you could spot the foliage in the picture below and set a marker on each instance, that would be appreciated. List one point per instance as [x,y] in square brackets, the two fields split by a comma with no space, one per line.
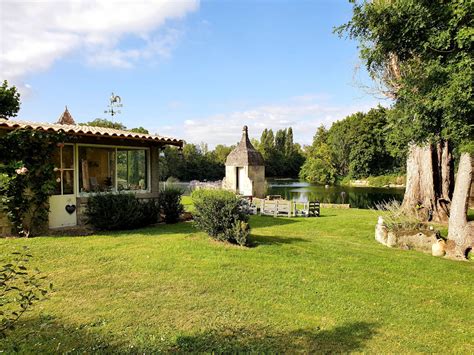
[421,51]
[355,147]
[9,100]
[20,289]
[28,177]
[170,203]
[282,156]
[318,167]
[195,162]
[140,130]
[385,180]
[397,218]
[107,211]
[217,212]
[105,123]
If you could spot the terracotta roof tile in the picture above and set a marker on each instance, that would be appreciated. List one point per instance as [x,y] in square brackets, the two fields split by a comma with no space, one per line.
[78,130]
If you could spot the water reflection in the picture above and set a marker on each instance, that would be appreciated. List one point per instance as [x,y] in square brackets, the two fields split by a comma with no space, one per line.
[358,197]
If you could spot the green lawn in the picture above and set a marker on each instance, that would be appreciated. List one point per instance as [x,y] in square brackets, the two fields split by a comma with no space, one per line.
[312,285]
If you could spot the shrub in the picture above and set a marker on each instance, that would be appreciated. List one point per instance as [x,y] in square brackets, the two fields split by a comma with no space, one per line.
[120,211]
[217,212]
[170,203]
[20,288]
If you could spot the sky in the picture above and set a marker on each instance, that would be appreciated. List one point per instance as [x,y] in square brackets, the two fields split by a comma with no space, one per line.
[190,69]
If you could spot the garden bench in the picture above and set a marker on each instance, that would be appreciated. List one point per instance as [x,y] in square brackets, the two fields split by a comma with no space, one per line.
[276,208]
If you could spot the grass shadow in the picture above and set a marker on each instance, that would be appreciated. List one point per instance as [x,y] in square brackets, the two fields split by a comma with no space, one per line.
[49,335]
[46,335]
[269,221]
[342,339]
[256,240]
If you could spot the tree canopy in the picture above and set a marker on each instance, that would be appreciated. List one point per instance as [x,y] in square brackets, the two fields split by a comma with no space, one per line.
[105,123]
[102,122]
[355,147]
[421,51]
[9,100]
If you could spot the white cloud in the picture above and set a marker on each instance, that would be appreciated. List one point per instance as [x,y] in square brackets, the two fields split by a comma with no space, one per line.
[34,34]
[304,116]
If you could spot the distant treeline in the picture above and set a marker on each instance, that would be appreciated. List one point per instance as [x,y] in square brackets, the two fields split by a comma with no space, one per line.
[356,147]
[353,148]
[282,157]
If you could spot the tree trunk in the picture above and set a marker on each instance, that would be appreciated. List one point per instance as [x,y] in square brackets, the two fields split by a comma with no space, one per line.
[461,233]
[429,183]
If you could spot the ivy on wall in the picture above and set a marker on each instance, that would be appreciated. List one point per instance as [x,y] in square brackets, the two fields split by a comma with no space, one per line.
[27,177]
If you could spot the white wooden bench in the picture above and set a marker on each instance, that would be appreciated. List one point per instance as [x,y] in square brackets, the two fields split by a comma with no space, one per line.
[276,208]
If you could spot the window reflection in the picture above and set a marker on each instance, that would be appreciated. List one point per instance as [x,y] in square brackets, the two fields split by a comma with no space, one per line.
[96,169]
[131,169]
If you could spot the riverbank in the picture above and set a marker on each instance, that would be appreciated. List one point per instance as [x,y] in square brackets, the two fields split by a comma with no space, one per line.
[391,181]
[357,196]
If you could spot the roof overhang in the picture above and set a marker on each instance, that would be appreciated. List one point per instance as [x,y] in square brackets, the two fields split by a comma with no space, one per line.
[90,131]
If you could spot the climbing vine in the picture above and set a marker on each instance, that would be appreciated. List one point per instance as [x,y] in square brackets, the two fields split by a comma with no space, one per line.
[27,177]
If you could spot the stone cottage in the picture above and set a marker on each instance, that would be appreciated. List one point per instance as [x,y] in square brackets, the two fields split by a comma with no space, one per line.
[245,169]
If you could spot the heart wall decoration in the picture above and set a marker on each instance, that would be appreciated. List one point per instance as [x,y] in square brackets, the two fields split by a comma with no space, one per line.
[70,209]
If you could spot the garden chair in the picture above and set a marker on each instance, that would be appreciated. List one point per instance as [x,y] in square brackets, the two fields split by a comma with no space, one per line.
[310,209]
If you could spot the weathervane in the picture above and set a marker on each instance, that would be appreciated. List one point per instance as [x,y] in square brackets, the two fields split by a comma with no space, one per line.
[115,104]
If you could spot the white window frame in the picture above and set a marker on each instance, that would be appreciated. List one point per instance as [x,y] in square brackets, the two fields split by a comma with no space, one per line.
[116,147]
[61,169]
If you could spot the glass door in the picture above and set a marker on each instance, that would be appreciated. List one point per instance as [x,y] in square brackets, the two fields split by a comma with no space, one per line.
[63,202]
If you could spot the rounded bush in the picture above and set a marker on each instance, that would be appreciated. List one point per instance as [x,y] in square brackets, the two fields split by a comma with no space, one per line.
[218,213]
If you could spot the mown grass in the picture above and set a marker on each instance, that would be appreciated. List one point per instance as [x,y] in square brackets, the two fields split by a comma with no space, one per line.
[312,285]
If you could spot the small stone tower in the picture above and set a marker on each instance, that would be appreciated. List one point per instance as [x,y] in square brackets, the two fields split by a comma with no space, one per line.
[245,169]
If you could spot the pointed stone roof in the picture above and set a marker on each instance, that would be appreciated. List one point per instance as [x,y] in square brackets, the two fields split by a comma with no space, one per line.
[66,118]
[244,154]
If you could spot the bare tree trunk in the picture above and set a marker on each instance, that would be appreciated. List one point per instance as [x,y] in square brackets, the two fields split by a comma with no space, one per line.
[429,181]
[461,233]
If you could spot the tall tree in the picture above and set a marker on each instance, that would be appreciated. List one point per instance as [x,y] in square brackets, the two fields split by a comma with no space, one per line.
[421,53]
[318,167]
[9,100]
[289,144]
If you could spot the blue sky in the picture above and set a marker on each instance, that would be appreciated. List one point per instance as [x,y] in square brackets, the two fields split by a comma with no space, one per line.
[194,70]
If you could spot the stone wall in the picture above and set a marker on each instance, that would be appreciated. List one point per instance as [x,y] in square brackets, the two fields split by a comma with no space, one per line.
[257,175]
[251,182]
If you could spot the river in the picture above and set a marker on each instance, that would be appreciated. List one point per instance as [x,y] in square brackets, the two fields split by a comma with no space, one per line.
[358,197]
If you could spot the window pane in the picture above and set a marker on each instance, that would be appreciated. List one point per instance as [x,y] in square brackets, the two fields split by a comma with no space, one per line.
[68,157]
[96,169]
[68,182]
[56,158]
[57,187]
[132,169]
